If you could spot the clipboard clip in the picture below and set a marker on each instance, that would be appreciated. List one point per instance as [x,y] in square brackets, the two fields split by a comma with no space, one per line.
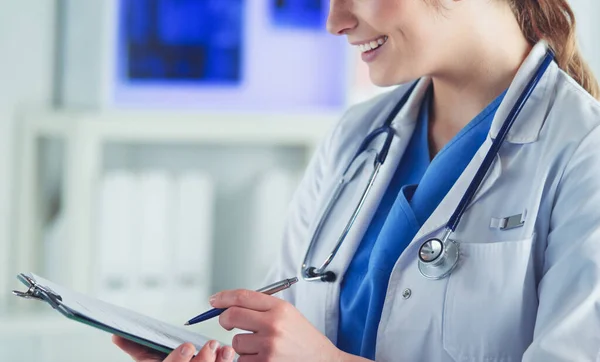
[38,292]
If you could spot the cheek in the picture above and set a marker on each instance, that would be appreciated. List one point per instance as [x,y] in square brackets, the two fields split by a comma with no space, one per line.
[415,38]
[387,13]
[381,14]
[407,22]
[412,28]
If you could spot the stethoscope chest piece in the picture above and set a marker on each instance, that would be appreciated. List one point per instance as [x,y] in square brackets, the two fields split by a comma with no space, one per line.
[438,258]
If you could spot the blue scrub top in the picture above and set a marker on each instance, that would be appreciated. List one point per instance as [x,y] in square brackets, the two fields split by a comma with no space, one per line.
[416,189]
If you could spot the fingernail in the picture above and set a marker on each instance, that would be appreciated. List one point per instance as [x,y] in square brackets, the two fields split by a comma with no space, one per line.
[187,351]
[213,345]
[228,353]
[212,299]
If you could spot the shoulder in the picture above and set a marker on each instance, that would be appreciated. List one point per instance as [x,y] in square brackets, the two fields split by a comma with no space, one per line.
[571,123]
[570,140]
[574,114]
[570,268]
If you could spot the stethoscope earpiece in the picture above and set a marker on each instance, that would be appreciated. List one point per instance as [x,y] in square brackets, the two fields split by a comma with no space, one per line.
[328,277]
[312,274]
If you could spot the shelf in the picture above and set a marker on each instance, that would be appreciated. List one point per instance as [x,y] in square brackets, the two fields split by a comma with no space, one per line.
[179,126]
[86,133]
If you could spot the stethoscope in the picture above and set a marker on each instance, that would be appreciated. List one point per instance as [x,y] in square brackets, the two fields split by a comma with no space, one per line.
[437,257]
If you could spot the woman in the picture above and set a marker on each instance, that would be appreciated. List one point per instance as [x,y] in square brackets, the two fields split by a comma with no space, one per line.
[527,283]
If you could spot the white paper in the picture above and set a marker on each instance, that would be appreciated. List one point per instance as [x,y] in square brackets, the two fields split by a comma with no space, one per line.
[126,321]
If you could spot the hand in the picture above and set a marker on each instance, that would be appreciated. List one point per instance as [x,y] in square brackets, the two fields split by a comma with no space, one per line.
[184,353]
[280,332]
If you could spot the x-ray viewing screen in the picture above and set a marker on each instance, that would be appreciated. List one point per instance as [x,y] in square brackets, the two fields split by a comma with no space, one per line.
[228,54]
[182,40]
[298,13]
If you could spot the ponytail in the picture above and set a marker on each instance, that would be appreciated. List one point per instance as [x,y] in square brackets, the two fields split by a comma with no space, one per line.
[554,21]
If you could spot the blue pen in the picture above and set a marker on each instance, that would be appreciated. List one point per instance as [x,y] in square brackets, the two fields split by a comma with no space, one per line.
[269,289]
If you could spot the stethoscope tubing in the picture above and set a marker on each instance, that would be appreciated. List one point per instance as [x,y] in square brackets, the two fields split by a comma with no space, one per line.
[311,273]
[495,148]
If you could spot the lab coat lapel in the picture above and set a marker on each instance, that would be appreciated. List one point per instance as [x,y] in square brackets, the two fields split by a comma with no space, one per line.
[526,129]
[403,124]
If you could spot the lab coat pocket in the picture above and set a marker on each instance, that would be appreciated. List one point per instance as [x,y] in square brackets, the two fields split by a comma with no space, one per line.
[491,302]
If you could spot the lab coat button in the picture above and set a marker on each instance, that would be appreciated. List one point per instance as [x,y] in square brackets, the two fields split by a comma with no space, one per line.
[406,293]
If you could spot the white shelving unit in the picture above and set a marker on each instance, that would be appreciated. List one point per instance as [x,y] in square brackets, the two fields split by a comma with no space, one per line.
[85,135]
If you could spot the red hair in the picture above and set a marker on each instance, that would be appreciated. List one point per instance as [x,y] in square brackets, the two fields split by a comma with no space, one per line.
[554,21]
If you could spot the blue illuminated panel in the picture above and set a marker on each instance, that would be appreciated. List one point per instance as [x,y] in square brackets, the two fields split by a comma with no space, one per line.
[298,13]
[191,40]
[228,54]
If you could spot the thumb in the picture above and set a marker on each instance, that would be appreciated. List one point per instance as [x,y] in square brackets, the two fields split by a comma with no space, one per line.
[138,352]
[183,353]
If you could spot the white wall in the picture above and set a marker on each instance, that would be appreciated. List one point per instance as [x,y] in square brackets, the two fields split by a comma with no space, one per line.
[26,78]
[587,14]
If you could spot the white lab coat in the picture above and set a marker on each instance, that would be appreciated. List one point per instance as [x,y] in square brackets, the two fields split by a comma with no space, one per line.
[527,294]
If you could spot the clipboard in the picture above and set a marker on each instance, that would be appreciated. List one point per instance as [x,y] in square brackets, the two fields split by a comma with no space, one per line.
[73,305]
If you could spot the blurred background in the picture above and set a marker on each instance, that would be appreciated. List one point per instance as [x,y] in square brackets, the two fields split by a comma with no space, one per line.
[149,150]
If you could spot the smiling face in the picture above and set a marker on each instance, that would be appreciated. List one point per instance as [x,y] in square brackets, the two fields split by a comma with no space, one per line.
[400,40]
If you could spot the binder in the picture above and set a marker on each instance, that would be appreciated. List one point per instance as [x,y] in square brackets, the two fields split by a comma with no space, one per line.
[192,246]
[271,200]
[152,242]
[116,224]
[146,331]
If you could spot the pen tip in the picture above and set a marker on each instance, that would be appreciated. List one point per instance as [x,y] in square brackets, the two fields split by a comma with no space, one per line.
[187,324]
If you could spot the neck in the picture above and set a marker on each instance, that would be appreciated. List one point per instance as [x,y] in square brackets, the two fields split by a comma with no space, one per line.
[465,88]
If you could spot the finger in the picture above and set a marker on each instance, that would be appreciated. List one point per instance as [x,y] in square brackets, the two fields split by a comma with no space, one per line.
[251,358]
[226,354]
[244,298]
[242,318]
[136,351]
[247,343]
[208,353]
[183,353]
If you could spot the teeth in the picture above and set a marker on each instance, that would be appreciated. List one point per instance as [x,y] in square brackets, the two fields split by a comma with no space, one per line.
[374,44]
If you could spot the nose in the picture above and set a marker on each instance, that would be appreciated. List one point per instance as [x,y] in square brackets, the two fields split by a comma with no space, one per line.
[341,19]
